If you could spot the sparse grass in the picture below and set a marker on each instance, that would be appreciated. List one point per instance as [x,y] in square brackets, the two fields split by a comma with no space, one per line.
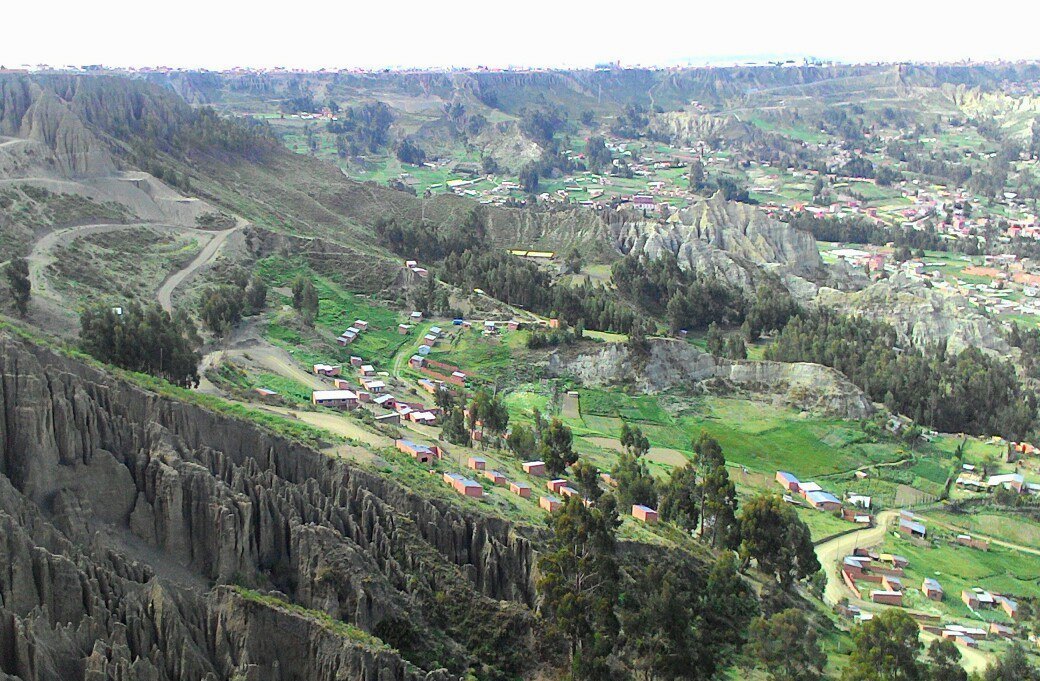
[131,264]
[337,627]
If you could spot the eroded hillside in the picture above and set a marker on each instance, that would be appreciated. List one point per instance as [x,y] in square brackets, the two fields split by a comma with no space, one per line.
[122,511]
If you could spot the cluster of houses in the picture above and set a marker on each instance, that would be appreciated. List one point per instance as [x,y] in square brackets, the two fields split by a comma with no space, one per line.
[372,393]
[978,598]
[558,488]
[413,266]
[885,570]
[970,479]
[351,334]
[885,573]
[816,497]
[969,636]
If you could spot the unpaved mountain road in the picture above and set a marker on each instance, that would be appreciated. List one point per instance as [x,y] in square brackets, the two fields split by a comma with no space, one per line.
[207,255]
[42,254]
[833,550]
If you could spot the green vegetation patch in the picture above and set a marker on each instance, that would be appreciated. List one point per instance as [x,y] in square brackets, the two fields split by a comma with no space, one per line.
[337,311]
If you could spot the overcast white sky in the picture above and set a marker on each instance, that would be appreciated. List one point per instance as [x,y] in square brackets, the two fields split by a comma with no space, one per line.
[218,34]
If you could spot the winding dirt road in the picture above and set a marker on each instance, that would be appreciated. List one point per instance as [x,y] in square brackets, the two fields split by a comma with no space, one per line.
[206,255]
[833,550]
[42,254]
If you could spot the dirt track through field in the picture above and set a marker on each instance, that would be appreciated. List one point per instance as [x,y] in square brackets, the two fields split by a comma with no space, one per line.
[571,407]
[833,550]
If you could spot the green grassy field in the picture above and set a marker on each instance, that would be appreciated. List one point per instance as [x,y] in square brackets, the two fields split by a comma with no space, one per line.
[960,567]
[1016,529]
[337,310]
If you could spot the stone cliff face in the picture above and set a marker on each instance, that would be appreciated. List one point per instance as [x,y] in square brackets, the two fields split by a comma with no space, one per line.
[728,239]
[689,127]
[121,509]
[40,116]
[927,316]
[677,364]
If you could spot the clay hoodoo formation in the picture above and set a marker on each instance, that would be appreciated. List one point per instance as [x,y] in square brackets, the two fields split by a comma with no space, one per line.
[148,538]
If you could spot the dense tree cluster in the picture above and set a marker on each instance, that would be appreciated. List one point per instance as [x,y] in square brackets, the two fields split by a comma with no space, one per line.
[860,230]
[787,647]
[597,155]
[523,284]
[773,535]
[363,129]
[431,242]
[145,339]
[410,152]
[692,301]
[968,392]
[487,414]
[666,620]
[305,299]
[630,473]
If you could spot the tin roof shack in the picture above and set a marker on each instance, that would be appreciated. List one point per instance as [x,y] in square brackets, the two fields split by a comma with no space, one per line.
[644,513]
[550,504]
[372,384]
[341,399]
[887,597]
[968,540]
[520,489]
[421,453]
[476,463]
[932,589]
[1010,606]
[823,501]
[912,528]
[1012,481]
[536,468]
[978,598]
[556,485]
[495,477]
[892,583]
[327,370]
[1000,630]
[464,486]
[787,481]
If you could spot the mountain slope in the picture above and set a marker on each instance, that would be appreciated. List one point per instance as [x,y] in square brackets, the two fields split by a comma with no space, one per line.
[122,509]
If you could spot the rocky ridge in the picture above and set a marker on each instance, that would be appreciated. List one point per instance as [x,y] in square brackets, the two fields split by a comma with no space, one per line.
[922,314]
[677,364]
[124,510]
[731,240]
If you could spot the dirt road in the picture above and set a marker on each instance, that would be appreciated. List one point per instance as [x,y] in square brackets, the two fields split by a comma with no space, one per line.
[830,552]
[42,254]
[205,256]
[991,540]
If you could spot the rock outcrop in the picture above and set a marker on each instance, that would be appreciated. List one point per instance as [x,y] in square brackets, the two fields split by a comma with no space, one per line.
[39,115]
[728,239]
[122,510]
[925,315]
[677,364]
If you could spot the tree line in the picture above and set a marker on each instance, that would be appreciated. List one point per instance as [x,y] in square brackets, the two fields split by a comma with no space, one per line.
[671,619]
[146,339]
[968,392]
